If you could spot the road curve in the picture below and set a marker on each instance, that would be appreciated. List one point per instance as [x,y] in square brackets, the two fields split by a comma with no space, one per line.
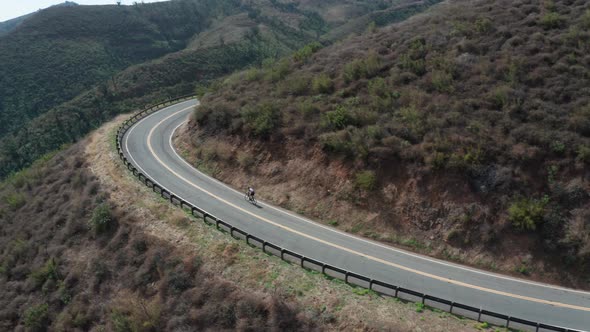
[148,146]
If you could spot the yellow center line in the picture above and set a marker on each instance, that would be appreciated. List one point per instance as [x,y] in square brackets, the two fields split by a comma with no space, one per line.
[375,259]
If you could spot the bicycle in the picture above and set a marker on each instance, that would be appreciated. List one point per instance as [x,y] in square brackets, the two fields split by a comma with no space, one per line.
[249,198]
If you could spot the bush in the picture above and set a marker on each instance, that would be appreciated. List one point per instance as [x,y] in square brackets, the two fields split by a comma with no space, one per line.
[365,68]
[307,109]
[353,71]
[366,180]
[49,271]
[278,70]
[483,25]
[253,74]
[307,51]
[442,81]
[15,200]
[36,318]
[121,322]
[322,84]
[263,120]
[551,20]
[339,118]
[102,219]
[584,154]
[526,213]
[378,88]
[296,85]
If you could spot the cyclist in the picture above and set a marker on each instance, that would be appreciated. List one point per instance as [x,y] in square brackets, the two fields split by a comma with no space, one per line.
[251,193]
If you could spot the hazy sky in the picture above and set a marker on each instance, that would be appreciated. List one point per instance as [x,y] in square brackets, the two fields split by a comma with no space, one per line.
[15,8]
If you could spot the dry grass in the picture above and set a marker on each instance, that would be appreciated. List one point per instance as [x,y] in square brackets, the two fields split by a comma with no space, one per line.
[331,304]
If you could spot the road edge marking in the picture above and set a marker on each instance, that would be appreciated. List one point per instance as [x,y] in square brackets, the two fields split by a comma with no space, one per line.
[375,259]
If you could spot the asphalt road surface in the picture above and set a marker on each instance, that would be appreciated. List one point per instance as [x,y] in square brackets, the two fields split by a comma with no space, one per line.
[148,145]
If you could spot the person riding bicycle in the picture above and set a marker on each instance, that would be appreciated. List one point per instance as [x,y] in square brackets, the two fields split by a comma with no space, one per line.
[251,193]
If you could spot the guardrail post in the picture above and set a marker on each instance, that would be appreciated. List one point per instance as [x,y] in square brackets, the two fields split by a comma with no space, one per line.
[323,268]
[508,322]
[248,240]
[452,305]
[479,315]
[264,247]
[423,297]
[302,261]
[282,254]
[538,327]
[396,291]
[346,277]
[217,224]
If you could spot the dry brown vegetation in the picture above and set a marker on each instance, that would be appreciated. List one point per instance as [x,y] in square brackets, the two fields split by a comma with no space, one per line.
[84,246]
[463,133]
[58,271]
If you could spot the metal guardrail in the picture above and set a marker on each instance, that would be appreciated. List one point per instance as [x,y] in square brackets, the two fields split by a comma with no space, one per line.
[355,279]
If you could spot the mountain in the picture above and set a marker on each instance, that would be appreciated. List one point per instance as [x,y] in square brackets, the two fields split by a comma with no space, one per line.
[8,26]
[66,70]
[462,132]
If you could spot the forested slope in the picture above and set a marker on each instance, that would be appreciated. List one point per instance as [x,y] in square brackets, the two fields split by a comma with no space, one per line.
[65,70]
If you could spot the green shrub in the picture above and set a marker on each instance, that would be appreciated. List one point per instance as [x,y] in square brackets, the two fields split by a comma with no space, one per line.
[584,154]
[416,66]
[500,97]
[558,147]
[526,213]
[15,200]
[322,84]
[585,20]
[262,121]
[121,322]
[372,65]
[362,68]
[307,51]
[551,20]
[411,117]
[420,306]
[36,318]
[378,87]
[253,74]
[339,118]
[278,70]
[353,71]
[102,219]
[442,81]
[337,142]
[307,109]
[49,271]
[483,25]
[296,85]
[366,180]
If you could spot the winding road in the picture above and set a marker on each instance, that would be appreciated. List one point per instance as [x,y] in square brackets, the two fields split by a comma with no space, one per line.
[148,146]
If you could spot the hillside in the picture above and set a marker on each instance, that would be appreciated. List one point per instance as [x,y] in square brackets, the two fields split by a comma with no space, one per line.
[62,51]
[85,247]
[461,133]
[59,80]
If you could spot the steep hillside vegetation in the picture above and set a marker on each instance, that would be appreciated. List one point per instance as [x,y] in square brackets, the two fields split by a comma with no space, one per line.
[62,51]
[84,246]
[45,62]
[70,261]
[463,133]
